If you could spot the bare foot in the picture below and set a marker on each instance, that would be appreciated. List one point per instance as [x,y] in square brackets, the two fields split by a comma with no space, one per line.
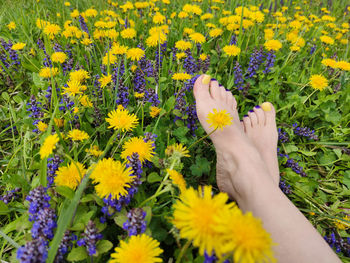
[238,161]
[260,127]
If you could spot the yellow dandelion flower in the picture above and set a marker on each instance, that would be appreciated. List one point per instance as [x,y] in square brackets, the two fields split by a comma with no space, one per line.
[158,18]
[203,57]
[145,150]
[343,65]
[18,46]
[273,45]
[48,146]
[109,59]
[181,76]
[135,54]
[343,224]
[195,216]
[197,38]
[188,31]
[42,126]
[48,72]
[66,3]
[177,149]
[219,119]
[59,57]
[32,52]
[318,82]
[182,14]
[328,62]
[327,40]
[128,33]
[78,135]
[294,48]
[207,16]
[94,150]
[112,178]
[140,248]
[52,30]
[85,101]
[59,122]
[139,95]
[215,32]
[75,13]
[73,88]
[154,111]
[118,49]
[11,25]
[231,50]
[183,45]
[156,39]
[177,179]
[122,119]
[269,34]
[70,175]
[79,75]
[86,41]
[245,236]
[181,55]
[105,80]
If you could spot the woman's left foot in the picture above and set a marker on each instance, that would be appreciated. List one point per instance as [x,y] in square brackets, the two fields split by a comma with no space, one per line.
[260,127]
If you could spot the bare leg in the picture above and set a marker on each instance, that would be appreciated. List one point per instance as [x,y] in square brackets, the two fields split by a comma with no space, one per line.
[242,173]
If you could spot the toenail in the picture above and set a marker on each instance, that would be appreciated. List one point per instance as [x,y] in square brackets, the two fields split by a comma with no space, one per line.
[251,111]
[206,79]
[257,106]
[266,106]
[245,116]
[212,79]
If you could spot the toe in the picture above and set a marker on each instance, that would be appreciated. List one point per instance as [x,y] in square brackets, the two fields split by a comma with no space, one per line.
[270,113]
[230,100]
[201,88]
[253,118]
[260,115]
[247,124]
[215,91]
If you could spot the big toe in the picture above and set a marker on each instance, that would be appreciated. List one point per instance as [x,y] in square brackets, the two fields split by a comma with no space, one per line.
[270,113]
[201,88]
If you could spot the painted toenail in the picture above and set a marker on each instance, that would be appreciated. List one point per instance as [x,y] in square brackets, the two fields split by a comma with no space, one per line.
[206,79]
[212,79]
[257,106]
[245,116]
[266,106]
[251,111]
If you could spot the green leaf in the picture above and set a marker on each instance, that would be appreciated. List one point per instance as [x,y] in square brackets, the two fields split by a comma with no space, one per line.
[148,211]
[201,166]
[3,208]
[38,81]
[65,191]
[154,177]
[103,246]
[307,153]
[180,133]
[291,148]
[77,254]
[5,96]
[121,218]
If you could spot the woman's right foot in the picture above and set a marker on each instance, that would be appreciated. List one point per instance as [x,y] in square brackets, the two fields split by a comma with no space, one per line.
[238,160]
[260,127]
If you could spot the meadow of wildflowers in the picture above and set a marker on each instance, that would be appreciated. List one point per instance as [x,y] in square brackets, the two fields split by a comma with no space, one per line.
[102,157]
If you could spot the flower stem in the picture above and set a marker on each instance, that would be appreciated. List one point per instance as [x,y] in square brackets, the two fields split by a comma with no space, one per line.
[201,139]
[183,250]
